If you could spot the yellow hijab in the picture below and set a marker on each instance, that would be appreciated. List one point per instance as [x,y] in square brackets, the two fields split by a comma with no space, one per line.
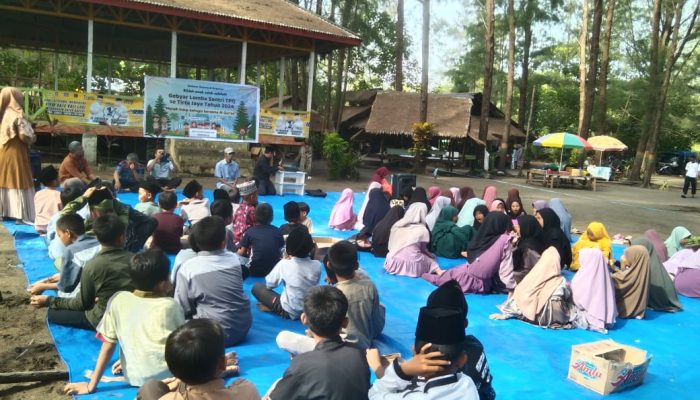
[595,237]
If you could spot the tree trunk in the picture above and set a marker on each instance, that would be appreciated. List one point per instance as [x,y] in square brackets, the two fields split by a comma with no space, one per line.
[592,68]
[294,78]
[509,84]
[425,54]
[604,65]
[488,72]
[582,46]
[346,15]
[398,79]
[525,66]
[329,94]
[319,7]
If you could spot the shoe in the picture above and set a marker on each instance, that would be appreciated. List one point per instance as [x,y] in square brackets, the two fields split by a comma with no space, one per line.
[683,196]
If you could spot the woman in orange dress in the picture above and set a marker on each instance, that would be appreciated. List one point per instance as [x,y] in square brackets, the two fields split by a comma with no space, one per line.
[16,134]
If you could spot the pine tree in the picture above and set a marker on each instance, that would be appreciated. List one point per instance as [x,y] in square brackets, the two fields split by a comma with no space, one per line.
[159,108]
[149,120]
[242,119]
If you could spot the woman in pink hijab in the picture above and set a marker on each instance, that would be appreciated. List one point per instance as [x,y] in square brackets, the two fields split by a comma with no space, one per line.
[497,205]
[433,193]
[456,196]
[489,194]
[593,291]
[342,218]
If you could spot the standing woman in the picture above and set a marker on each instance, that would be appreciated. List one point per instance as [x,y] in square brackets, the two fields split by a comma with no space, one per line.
[16,134]
[632,283]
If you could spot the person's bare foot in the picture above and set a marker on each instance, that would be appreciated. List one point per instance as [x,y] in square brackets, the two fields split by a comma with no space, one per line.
[263,307]
[117,368]
[439,272]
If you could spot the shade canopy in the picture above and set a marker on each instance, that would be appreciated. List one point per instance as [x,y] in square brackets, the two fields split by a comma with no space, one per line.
[563,140]
[606,143]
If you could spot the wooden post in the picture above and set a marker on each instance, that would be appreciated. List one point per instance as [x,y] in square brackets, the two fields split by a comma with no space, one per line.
[281,86]
[312,68]
[55,70]
[88,76]
[527,130]
[173,54]
[32,376]
[244,61]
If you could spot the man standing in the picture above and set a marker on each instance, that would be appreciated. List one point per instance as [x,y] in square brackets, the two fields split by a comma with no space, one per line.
[160,169]
[75,165]
[692,169]
[227,171]
[128,174]
[263,171]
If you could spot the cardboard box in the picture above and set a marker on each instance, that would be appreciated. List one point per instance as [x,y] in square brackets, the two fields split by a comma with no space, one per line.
[323,243]
[607,366]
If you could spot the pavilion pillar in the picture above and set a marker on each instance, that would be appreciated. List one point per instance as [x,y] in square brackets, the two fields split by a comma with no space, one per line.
[244,61]
[257,71]
[312,72]
[88,77]
[55,70]
[173,54]
[281,89]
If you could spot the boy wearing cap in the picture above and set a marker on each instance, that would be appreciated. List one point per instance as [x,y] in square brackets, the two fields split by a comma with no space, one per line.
[439,357]
[147,195]
[244,216]
[47,201]
[227,171]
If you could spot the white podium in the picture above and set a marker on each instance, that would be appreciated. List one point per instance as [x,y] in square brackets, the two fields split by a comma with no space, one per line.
[290,182]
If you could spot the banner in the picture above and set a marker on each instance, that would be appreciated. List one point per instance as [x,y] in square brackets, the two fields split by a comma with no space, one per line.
[285,123]
[94,109]
[184,108]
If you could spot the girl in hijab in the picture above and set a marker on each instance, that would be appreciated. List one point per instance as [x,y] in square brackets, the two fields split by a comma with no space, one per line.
[408,245]
[479,215]
[553,236]
[593,291]
[465,194]
[16,134]
[377,207]
[440,203]
[596,236]
[514,209]
[489,195]
[662,293]
[380,234]
[342,218]
[632,283]
[433,193]
[361,215]
[676,240]
[380,176]
[542,298]
[466,213]
[498,205]
[688,274]
[513,195]
[490,256]
[537,205]
[564,216]
[447,239]
[529,248]
[456,196]
[419,196]
[655,239]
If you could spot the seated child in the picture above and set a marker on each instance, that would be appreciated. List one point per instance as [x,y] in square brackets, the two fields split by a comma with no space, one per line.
[102,276]
[210,284]
[297,274]
[183,256]
[365,313]
[224,210]
[292,214]
[244,216]
[220,194]
[47,201]
[334,369]
[195,355]
[304,210]
[100,201]
[262,243]
[52,241]
[78,249]
[140,322]
[195,207]
[170,225]
[435,370]
[147,196]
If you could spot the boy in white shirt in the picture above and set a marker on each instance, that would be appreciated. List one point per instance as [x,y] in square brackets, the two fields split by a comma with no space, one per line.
[692,170]
[195,207]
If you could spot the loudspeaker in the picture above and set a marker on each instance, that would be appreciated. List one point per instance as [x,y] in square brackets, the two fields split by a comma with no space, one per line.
[400,181]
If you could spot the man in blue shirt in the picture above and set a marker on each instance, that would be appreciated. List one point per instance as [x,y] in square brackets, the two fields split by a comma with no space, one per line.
[160,169]
[227,171]
[128,174]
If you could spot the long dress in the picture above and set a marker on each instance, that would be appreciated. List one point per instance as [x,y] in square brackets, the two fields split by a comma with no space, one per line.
[632,283]
[342,218]
[447,239]
[16,185]
[381,232]
[553,235]
[685,265]
[662,293]
[593,291]
[408,244]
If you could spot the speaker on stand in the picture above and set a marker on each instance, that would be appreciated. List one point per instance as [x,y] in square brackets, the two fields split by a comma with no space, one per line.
[401,181]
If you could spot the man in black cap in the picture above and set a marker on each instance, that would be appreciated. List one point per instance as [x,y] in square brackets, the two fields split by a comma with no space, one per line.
[435,370]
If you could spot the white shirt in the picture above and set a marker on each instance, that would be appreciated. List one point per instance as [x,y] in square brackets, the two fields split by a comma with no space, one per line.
[692,168]
[447,387]
[298,276]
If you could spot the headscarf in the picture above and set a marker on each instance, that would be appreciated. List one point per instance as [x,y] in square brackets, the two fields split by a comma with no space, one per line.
[380,234]
[655,239]
[531,237]
[377,207]
[447,239]
[465,194]
[342,211]
[410,229]
[482,209]
[448,193]
[513,195]
[553,236]
[595,236]
[632,284]
[509,209]
[673,243]
[11,110]
[536,289]
[564,216]
[466,213]
[361,215]
[494,205]
[456,196]
[433,193]
[662,292]
[440,203]
[380,174]
[539,204]
[495,225]
[593,290]
[489,194]
[419,196]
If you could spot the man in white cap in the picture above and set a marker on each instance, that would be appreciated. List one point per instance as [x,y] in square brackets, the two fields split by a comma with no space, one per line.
[227,171]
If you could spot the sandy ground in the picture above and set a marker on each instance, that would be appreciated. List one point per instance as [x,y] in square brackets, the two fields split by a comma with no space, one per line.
[624,209]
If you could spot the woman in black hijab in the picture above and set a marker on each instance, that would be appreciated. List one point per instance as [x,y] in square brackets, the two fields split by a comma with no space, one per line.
[494,225]
[380,234]
[553,235]
[419,196]
[529,248]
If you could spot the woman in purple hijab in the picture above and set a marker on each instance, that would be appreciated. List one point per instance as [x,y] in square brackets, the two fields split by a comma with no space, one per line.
[593,291]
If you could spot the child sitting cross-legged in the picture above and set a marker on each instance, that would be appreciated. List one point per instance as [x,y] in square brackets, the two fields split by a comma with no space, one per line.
[195,355]
[47,201]
[304,218]
[224,210]
[78,249]
[170,225]
[334,369]
[147,198]
[195,207]
[140,322]
[262,243]
[292,214]
[297,274]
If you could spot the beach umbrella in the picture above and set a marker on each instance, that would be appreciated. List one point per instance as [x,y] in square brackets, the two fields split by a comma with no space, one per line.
[562,140]
[606,143]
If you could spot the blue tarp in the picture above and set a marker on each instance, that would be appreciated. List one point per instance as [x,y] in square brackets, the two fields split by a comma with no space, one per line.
[527,362]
